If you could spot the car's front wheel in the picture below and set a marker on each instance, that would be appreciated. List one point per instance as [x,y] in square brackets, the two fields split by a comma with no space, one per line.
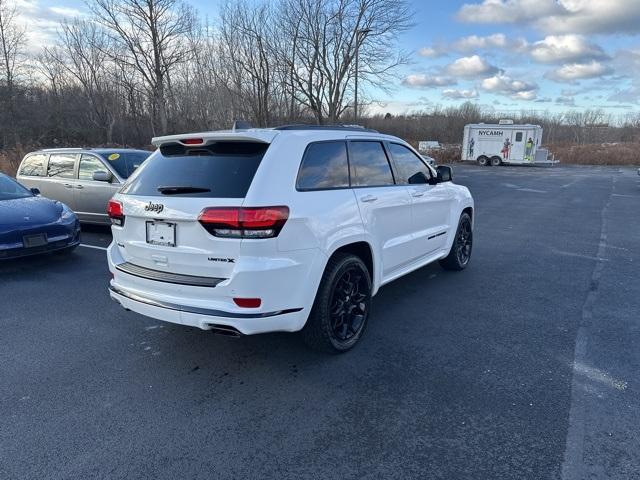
[341,307]
[460,252]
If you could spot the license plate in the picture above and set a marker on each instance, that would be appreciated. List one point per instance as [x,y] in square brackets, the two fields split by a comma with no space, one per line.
[38,240]
[161,233]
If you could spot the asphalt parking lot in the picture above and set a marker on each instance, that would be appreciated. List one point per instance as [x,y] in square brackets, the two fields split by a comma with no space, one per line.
[524,366]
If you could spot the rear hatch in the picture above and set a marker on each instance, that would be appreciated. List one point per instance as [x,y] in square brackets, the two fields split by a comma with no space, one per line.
[164,205]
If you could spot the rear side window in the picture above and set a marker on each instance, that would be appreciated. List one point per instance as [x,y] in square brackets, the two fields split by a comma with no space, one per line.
[324,166]
[61,165]
[408,164]
[220,170]
[125,163]
[33,166]
[369,165]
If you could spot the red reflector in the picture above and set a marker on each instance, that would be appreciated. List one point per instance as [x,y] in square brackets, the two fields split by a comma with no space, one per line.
[192,141]
[248,302]
[114,209]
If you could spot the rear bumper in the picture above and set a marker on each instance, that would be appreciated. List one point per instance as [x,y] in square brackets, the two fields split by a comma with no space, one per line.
[287,294]
[207,319]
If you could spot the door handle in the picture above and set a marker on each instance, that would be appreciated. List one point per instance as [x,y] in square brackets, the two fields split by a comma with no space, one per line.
[368,198]
[417,193]
[79,186]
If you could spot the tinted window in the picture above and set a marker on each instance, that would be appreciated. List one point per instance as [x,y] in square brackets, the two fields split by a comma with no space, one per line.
[88,165]
[408,164]
[324,166]
[33,165]
[61,165]
[125,163]
[369,165]
[10,189]
[519,137]
[221,170]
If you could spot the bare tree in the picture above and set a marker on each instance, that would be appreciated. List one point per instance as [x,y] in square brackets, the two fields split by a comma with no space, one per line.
[85,53]
[327,34]
[152,36]
[12,43]
[248,40]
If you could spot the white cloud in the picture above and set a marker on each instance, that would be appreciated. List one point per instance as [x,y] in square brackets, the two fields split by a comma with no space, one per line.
[558,16]
[423,80]
[473,66]
[505,85]
[579,71]
[506,11]
[459,94]
[474,42]
[42,21]
[565,48]
[432,52]
[566,101]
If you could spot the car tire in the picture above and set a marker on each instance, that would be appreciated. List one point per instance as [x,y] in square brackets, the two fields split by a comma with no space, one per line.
[341,308]
[460,253]
[496,161]
[483,161]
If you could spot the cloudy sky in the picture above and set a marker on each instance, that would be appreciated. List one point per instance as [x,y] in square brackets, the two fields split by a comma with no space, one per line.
[506,54]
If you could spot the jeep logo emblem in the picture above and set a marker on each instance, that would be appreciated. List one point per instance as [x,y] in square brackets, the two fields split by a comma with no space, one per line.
[154,207]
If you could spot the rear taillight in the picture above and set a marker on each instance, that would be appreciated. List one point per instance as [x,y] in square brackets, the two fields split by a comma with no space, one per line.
[115,212]
[244,222]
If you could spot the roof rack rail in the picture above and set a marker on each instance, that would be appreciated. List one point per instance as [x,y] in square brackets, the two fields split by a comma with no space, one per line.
[64,149]
[302,126]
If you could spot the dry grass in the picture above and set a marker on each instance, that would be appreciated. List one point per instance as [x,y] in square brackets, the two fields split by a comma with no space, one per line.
[598,153]
[590,154]
[10,160]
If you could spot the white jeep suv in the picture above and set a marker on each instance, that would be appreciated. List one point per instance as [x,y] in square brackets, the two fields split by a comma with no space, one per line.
[284,229]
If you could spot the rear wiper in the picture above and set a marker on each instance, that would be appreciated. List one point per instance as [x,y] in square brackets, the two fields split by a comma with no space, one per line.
[173,190]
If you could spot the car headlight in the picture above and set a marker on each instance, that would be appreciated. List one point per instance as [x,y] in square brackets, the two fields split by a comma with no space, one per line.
[67,213]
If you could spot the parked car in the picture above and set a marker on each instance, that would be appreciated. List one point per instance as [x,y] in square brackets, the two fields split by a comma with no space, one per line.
[284,229]
[31,224]
[83,179]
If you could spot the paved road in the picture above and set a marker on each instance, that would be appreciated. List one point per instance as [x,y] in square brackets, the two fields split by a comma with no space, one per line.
[525,366]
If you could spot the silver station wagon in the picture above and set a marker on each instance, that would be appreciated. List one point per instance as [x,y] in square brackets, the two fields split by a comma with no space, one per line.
[83,179]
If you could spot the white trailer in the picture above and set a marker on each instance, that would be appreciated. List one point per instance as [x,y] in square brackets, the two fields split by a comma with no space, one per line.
[504,143]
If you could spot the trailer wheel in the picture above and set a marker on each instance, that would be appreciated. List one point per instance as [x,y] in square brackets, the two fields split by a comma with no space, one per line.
[496,161]
[483,161]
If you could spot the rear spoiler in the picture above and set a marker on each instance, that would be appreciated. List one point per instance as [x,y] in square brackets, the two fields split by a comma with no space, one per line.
[206,138]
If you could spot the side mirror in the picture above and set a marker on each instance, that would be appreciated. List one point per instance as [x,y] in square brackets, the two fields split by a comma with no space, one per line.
[102,176]
[35,191]
[418,178]
[445,174]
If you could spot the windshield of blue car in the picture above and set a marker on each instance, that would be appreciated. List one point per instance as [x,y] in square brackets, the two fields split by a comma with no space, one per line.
[125,163]
[10,189]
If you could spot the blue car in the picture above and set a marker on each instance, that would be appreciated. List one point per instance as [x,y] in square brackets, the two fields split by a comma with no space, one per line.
[30,224]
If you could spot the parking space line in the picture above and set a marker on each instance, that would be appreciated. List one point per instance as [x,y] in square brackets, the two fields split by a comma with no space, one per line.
[93,246]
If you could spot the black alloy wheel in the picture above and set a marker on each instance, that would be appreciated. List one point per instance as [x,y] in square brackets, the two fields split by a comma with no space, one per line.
[460,253]
[349,304]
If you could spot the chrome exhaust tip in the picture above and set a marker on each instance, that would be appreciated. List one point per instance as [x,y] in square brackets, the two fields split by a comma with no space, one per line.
[225,331]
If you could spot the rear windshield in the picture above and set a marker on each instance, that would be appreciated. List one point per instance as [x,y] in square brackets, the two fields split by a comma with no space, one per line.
[220,170]
[125,163]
